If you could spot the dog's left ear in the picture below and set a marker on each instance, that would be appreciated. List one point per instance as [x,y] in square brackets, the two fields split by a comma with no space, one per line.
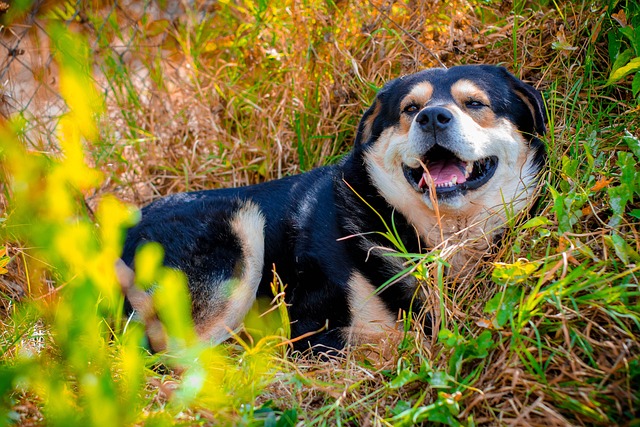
[533,100]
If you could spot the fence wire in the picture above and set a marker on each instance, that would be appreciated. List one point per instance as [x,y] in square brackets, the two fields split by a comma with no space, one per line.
[28,73]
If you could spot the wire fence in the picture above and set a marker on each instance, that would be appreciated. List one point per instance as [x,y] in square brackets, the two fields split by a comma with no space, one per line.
[28,73]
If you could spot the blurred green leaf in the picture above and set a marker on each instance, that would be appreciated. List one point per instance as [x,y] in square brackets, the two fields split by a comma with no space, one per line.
[405,377]
[623,250]
[618,74]
[536,222]
[516,272]
[503,304]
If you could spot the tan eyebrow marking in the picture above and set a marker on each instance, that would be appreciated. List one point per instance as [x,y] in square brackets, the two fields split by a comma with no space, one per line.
[465,90]
[420,94]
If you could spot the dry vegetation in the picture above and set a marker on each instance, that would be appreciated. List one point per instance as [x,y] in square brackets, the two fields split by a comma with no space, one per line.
[233,93]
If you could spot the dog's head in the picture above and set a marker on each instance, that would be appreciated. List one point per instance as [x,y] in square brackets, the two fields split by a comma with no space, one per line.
[463,137]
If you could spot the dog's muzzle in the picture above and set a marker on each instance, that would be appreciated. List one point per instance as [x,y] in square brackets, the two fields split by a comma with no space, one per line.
[441,168]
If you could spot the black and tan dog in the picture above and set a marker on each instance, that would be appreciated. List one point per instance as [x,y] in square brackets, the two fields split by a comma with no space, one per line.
[442,155]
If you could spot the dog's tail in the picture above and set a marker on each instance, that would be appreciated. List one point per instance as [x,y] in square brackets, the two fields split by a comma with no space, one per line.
[141,303]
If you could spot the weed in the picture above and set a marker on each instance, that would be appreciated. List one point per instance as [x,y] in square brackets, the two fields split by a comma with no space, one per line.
[624,45]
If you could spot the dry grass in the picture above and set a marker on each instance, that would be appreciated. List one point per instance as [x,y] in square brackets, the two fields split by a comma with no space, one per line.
[228,94]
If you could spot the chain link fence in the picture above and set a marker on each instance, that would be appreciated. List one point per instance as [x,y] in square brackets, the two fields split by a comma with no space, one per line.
[28,72]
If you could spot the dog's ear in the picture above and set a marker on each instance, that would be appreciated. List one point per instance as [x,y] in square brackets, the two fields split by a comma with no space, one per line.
[366,126]
[534,102]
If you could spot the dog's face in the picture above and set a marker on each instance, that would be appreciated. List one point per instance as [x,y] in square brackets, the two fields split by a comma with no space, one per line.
[462,138]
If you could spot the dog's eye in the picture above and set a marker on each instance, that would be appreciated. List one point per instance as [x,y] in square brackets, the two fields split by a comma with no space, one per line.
[411,108]
[472,103]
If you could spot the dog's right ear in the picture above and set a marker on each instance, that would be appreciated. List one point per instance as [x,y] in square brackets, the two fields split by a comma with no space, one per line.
[366,123]
[365,128]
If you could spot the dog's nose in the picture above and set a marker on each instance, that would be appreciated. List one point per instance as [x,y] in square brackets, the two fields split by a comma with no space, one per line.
[434,118]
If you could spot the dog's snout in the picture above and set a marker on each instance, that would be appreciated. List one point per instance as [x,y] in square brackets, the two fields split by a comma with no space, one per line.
[434,118]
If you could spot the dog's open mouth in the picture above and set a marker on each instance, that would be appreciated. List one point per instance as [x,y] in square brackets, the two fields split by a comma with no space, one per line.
[450,174]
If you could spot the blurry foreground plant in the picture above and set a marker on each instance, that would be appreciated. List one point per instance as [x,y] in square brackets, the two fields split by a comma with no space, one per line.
[95,371]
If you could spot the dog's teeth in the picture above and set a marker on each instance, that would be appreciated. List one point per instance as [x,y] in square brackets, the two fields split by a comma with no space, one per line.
[454,180]
[468,169]
[423,182]
[446,184]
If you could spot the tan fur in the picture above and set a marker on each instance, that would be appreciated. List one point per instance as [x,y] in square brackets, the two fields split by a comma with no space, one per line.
[371,321]
[419,96]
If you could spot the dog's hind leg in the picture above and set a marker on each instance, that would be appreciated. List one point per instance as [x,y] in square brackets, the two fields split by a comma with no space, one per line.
[142,303]
[221,251]
[229,300]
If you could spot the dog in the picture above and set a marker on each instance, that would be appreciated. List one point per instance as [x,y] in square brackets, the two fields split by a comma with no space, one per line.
[440,159]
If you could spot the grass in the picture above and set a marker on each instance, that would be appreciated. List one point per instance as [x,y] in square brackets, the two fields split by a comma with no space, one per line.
[234,93]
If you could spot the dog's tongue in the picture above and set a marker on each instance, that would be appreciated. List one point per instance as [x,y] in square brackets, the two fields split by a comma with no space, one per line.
[443,171]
